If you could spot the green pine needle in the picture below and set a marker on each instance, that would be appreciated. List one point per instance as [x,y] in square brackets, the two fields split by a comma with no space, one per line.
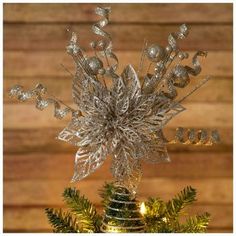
[61,222]
[156,212]
[160,216]
[106,192]
[155,207]
[164,217]
[196,224]
[83,209]
[186,197]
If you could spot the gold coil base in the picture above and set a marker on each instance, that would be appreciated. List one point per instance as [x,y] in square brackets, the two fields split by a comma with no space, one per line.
[122,213]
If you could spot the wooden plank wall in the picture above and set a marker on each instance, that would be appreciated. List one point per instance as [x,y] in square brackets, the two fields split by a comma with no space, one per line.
[37,167]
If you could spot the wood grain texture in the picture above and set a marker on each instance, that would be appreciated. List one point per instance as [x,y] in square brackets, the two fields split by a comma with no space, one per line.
[43,64]
[121,13]
[37,167]
[48,192]
[52,165]
[44,36]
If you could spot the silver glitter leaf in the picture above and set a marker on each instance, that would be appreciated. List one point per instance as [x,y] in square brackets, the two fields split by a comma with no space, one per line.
[130,77]
[168,113]
[157,153]
[131,135]
[70,133]
[86,162]
[124,105]
[125,169]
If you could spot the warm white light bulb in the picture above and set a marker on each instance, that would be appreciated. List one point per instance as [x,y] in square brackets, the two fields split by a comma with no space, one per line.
[113,230]
[143,209]
[164,219]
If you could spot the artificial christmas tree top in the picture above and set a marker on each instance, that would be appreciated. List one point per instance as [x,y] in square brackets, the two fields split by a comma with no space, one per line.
[123,213]
[125,119]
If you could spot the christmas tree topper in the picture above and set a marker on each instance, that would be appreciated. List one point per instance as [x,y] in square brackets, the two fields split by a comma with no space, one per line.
[124,120]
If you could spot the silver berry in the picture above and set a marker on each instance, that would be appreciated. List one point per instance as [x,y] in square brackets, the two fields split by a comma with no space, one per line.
[156,53]
[94,64]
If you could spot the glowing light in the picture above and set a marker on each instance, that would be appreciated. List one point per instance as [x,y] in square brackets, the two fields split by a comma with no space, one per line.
[164,219]
[143,209]
[113,230]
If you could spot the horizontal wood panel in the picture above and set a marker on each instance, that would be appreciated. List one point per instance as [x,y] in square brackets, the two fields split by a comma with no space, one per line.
[36,140]
[125,37]
[34,219]
[121,13]
[37,167]
[26,116]
[51,166]
[48,192]
[47,63]
[216,90]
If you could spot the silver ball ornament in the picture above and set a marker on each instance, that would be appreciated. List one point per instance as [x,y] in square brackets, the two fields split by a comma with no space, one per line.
[169,49]
[183,55]
[93,64]
[155,53]
[72,49]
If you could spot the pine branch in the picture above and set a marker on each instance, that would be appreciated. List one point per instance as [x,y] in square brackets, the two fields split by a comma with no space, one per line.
[85,212]
[196,224]
[160,217]
[106,192]
[163,217]
[155,207]
[155,216]
[61,222]
[186,197]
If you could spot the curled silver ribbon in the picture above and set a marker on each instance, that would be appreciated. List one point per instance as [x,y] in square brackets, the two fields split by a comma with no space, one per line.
[181,34]
[196,137]
[196,64]
[179,75]
[39,91]
[104,45]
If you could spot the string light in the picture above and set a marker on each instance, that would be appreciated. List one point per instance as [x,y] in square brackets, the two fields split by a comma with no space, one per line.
[113,230]
[164,219]
[143,209]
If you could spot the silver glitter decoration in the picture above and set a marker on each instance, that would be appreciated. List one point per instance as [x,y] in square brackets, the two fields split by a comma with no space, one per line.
[124,120]
[156,53]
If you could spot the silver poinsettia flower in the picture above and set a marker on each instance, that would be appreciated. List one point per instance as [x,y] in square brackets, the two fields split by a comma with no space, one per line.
[123,121]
